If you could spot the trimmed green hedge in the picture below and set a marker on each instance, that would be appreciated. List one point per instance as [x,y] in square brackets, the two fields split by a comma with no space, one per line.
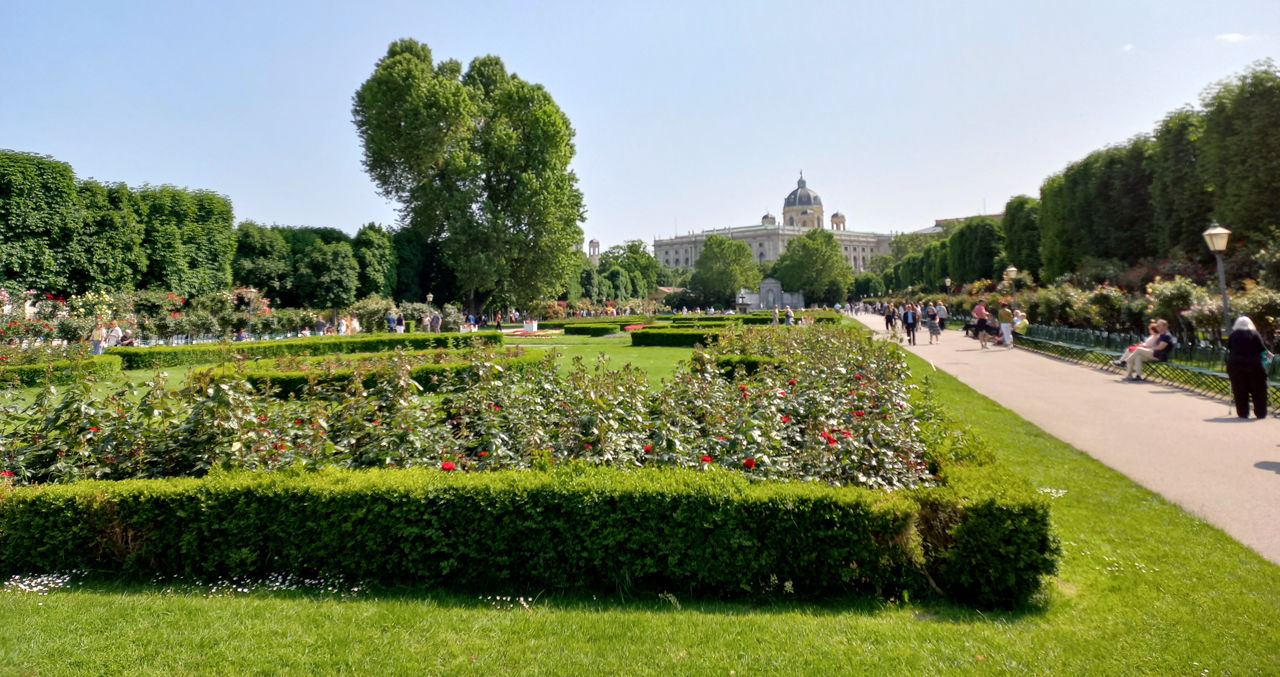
[673,338]
[429,376]
[689,532]
[704,320]
[624,320]
[61,372]
[591,329]
[829,317]
[171,356]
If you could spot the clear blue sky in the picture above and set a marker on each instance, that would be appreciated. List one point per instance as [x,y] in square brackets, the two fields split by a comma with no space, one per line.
[898,112]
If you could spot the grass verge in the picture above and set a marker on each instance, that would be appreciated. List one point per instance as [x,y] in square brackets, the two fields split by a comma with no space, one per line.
[1145,589]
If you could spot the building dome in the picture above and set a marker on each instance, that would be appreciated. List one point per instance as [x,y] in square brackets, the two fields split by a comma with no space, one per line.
[768,220]
[802,196]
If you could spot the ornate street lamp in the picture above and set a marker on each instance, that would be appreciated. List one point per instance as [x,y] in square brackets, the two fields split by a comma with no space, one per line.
[1011,274]
[948,281]
[1216,237]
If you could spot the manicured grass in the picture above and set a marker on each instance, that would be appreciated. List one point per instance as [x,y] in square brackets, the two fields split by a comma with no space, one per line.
[1145,588]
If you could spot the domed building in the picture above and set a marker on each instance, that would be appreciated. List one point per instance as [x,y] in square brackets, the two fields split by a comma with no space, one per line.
[801,211]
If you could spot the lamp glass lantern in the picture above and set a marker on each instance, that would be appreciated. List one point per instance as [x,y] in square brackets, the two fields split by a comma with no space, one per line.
[1216,237]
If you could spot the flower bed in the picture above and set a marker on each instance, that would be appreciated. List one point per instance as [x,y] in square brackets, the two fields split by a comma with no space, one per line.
[293,376]
[60,372]
[983,538]
[170,356]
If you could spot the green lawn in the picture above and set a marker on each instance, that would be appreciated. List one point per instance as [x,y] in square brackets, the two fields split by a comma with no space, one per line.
[1145,589]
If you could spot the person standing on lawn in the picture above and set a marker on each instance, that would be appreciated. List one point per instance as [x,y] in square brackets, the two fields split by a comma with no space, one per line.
[1246,368]
[791,316]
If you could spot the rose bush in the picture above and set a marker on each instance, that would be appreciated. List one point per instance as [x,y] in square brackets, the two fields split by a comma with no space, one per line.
[848,418]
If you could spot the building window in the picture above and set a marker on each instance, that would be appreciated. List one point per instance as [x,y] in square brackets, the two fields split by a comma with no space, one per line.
[791,221]
[762,256]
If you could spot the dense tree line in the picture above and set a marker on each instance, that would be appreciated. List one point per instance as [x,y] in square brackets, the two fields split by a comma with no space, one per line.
[1142,201]
[65,236]
[1152,196]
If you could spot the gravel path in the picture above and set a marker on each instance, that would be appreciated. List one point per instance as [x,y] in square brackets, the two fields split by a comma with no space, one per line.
[1186,447]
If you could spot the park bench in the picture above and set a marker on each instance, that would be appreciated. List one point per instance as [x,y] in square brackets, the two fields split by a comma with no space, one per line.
[1197,377]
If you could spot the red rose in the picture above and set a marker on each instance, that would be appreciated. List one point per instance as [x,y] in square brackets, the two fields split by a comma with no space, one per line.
[93,429]
[749,463]
[859,413]
[706,459]
[7,473]
[791,382]
[720,437]
[447,465]
[859,377]
[483,454]
[786,419]
[588,446]
[648,448]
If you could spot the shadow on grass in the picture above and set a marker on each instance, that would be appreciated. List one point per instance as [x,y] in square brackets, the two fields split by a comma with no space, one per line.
[931,608]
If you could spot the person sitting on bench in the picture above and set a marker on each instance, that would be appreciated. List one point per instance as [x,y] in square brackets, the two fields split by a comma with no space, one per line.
[1158,353]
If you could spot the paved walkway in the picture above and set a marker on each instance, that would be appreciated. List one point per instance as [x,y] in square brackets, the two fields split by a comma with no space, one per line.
[1186,447]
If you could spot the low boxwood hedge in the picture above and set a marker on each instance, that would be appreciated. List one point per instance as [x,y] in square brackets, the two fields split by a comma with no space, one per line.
[591,329]
[673,338]
[172,356]
[690,532]
[429,376]
[61,372]
[704,320]
[604,319]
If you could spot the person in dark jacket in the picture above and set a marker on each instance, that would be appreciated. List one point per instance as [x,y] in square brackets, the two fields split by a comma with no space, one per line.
[1245,352]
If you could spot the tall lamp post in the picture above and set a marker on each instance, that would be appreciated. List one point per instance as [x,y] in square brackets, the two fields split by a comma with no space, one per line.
[1216,236]
[1011,274]
[948,281]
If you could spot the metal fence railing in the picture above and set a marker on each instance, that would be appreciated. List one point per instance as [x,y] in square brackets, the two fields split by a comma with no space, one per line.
[1195,353]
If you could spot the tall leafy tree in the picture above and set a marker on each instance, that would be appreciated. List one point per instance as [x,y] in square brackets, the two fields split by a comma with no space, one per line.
[1121,203]
[479,161]
[376,255]
[619,281]
[814,265]
[327,276]
[723,267]
[107,252]
[1241,152]
[1181,202]
[39,212]
[190,239]
[1021,228]
[880,263]
[263,261]
[634,257]
[973,251]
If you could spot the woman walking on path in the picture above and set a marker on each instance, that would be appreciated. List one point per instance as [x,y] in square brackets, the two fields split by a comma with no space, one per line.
[935,328]
[980,323]
[1245,352]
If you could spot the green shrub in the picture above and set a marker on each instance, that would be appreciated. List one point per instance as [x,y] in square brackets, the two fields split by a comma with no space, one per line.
[61,372]
[728,364]
[430,376]
[170,356]
[702,320]
[623,320]
[988,537]
[591,329]
[672,338]
[690,532]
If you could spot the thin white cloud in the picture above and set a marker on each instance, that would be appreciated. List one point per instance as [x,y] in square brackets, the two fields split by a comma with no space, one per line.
[1233,37]
[1127,48]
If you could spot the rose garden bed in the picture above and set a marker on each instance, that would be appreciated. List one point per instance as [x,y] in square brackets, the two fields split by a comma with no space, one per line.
[806,435]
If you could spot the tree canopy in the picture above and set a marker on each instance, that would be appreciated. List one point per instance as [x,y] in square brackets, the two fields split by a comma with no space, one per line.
[723,267]
[328,276]
[479,162]
[376,255]
[814,265]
